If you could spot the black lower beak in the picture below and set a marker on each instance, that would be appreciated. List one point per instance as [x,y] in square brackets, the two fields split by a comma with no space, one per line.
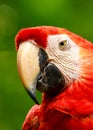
[50,79]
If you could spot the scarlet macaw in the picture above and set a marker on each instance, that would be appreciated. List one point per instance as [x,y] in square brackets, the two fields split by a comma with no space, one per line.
[58,63]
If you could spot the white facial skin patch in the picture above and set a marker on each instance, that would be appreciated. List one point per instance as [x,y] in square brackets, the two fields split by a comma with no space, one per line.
[64,53]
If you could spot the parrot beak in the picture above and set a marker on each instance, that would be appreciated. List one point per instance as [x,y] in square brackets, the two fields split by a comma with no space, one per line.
[28,66]
[37,71]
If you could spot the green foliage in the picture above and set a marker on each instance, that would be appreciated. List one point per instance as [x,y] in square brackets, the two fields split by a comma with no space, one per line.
[14,15]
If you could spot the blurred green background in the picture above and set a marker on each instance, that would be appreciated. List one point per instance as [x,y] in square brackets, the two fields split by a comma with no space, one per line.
[75,15]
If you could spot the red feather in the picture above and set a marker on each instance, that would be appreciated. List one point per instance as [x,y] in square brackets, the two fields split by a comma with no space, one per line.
[40,34]
[73,108]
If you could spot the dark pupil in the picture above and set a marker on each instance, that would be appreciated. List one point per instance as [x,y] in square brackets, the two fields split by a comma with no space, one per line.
[62,43]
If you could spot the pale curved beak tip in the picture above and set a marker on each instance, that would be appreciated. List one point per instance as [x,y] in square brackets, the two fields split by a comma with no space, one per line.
[32,96]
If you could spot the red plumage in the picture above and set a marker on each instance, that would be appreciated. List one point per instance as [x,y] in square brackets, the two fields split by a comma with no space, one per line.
[72,109]
[40,34]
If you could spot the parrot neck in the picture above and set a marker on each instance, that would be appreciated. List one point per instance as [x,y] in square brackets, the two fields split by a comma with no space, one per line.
[76,99]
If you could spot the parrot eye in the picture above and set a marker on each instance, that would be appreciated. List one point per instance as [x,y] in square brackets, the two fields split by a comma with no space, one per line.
[63,44]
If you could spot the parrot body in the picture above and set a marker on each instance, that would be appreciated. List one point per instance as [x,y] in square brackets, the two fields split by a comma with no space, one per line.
[64,75]
[52,119]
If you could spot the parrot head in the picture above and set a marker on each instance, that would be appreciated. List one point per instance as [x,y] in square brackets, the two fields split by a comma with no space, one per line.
[56,62]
